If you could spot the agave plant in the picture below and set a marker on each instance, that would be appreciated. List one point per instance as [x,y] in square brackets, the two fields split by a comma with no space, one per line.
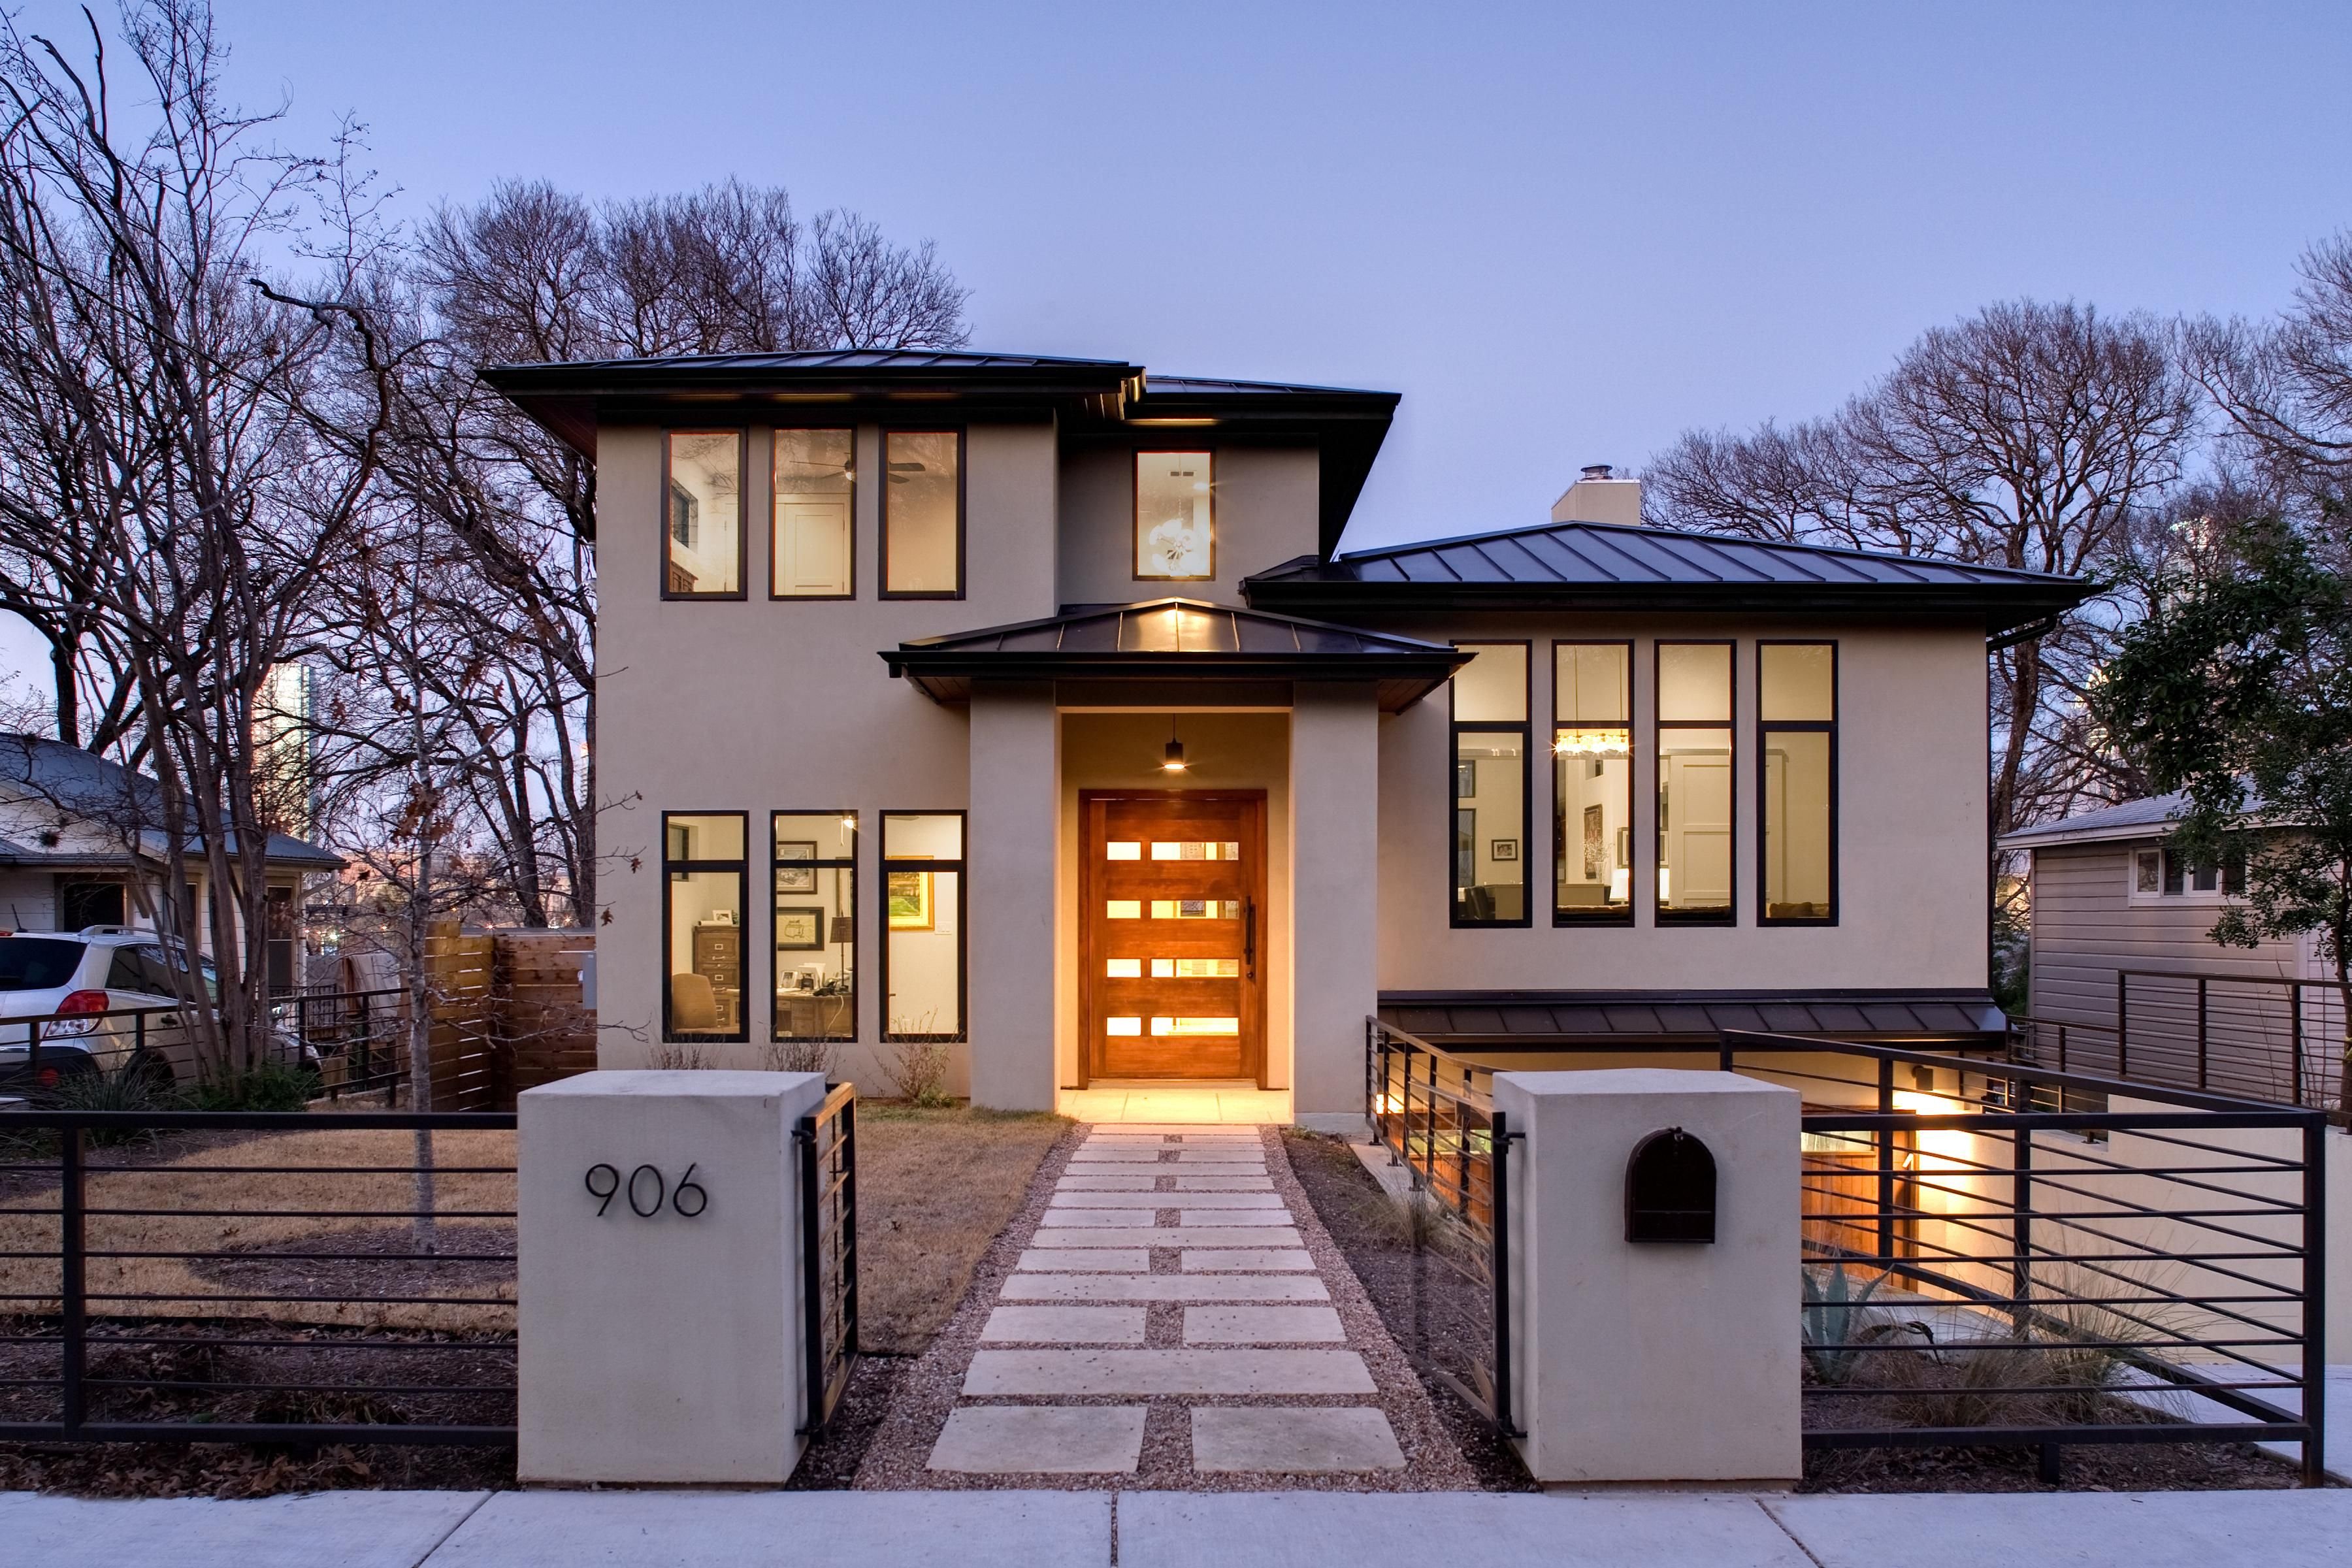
[1838,1321]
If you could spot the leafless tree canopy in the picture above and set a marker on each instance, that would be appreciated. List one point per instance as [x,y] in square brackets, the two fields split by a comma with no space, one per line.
[2043,437]
[2284,388]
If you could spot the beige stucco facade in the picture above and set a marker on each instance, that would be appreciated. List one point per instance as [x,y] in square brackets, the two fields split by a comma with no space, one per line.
[758,705]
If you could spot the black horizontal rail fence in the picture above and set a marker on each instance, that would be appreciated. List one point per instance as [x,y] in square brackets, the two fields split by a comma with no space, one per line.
[827,1137]
[233,1276]
[1437,1119]
[364,1031]
[2272,1038]
[1981,1272]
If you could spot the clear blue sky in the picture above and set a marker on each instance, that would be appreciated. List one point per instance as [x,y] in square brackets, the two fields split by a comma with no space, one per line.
[1564,232]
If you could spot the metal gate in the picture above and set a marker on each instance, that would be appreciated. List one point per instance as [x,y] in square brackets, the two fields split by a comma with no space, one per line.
[827,1137]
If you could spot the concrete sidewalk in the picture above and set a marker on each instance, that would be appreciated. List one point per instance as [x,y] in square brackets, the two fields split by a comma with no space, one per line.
[1179,1530]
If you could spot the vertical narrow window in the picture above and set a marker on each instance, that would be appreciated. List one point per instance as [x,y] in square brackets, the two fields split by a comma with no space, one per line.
[702,501]
[1175,516]
[1592,782]
[810,553]
[706,882]
[923,514]
[814,869]
[922,946]
[1796,709]
[1490,786]
[1695,792]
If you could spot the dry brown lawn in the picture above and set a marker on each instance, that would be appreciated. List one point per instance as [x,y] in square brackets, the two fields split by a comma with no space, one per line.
[934,1188]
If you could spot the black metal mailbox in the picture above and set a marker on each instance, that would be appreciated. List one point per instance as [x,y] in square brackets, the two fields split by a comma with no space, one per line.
[1670,1189]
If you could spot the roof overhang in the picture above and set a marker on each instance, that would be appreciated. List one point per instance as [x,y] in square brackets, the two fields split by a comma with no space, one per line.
[1173,646]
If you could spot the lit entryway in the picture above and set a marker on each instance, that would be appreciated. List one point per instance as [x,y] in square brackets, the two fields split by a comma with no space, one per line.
[1152,1100]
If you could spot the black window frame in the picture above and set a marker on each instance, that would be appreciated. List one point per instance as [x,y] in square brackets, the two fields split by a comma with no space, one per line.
[1456,730]
[775,962]
[1765,730]
[1728,915]
[742,870]
[882,514]
[774,555]
[1603,916]
[1135,511]
[960,867]
[742,514]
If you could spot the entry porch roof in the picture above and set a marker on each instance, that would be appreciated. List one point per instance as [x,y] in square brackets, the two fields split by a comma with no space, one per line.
[1174,639]
[1540,1020]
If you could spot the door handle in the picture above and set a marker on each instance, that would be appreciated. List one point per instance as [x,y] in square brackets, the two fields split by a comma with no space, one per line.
[1249,937]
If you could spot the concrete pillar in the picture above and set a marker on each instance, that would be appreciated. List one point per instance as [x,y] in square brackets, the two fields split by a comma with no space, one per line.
[1334,898]
[1653,1361]
[660,1339]
[1011,905]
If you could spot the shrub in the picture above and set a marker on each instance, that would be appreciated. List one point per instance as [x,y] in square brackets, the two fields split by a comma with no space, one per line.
[919,1069]
[271,1086]
[130,1087]
[798,1056]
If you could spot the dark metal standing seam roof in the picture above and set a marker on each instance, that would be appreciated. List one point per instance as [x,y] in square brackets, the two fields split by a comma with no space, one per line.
[1174,639]
[1602,566]
[1533,1020]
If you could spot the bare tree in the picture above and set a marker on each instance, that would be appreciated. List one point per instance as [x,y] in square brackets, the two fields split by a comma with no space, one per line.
[2034,436]
[2285,387]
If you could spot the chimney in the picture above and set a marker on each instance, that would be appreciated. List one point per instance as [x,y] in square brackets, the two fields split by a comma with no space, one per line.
[1597,497]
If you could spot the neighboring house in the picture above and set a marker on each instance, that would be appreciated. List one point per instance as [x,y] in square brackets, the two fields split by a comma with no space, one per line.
[2120,933]
[1027,706]
[68,820]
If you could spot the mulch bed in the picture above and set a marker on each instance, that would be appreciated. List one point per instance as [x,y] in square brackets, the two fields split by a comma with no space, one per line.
[1422,1303]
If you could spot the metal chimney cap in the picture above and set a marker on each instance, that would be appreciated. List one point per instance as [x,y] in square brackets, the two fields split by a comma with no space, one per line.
[1599,470]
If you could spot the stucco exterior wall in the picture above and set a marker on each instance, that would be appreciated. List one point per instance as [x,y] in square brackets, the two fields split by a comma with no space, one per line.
[1265,514]
[1910,821]
[764,705]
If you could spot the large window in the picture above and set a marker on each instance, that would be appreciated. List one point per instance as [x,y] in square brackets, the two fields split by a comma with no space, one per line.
[1490,786]
[922,911]
[705,881]
[810,555]
[1592,782]
[1796,709]
[702,525]
[1175,516]
[815,879]
[1694,794]
[923,514]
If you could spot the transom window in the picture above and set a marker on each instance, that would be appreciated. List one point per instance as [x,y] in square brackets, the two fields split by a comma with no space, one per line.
[1175,516]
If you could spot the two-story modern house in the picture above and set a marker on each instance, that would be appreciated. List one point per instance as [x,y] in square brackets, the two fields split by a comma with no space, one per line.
[1029,705]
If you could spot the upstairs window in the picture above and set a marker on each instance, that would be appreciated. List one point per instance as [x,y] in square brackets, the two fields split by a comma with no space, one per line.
[1796,712]
[702,533]
[1694,851]
[1592,782]
[1490,786]
[810,553]
[923,514]
[1175,517]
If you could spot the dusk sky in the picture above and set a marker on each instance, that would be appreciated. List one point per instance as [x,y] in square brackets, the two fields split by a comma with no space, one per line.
[1564,234]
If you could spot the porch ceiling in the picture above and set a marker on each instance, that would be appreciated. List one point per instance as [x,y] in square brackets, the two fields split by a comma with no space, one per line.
[1175,641]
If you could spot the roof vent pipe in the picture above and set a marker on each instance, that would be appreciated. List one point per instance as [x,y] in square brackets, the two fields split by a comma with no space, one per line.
[1599,470]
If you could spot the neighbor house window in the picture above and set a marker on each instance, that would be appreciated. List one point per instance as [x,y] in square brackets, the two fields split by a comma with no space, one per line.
[923,514]
[810,554]
[922,939]
[2160,874]
[1796,712]
[1693,757]
[702,498]
[706,879]
[1592,782]
[1175,516]
[84,904]
[1490,786]
[814,877]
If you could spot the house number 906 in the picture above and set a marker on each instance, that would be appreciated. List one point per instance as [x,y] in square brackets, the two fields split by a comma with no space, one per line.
[604,1183]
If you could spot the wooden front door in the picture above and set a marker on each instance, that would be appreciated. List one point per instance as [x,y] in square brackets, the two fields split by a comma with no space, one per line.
[1172,917]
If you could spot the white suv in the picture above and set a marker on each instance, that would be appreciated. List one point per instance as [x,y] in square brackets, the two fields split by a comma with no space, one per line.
[102,979]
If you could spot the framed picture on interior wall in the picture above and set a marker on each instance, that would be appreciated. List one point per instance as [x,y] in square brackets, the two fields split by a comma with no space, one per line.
[795,878]
[799,930]
[1503,849]
[907,897]
[1593,844]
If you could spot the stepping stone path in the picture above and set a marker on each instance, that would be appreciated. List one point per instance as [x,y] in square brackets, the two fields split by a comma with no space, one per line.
[1167,1269]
